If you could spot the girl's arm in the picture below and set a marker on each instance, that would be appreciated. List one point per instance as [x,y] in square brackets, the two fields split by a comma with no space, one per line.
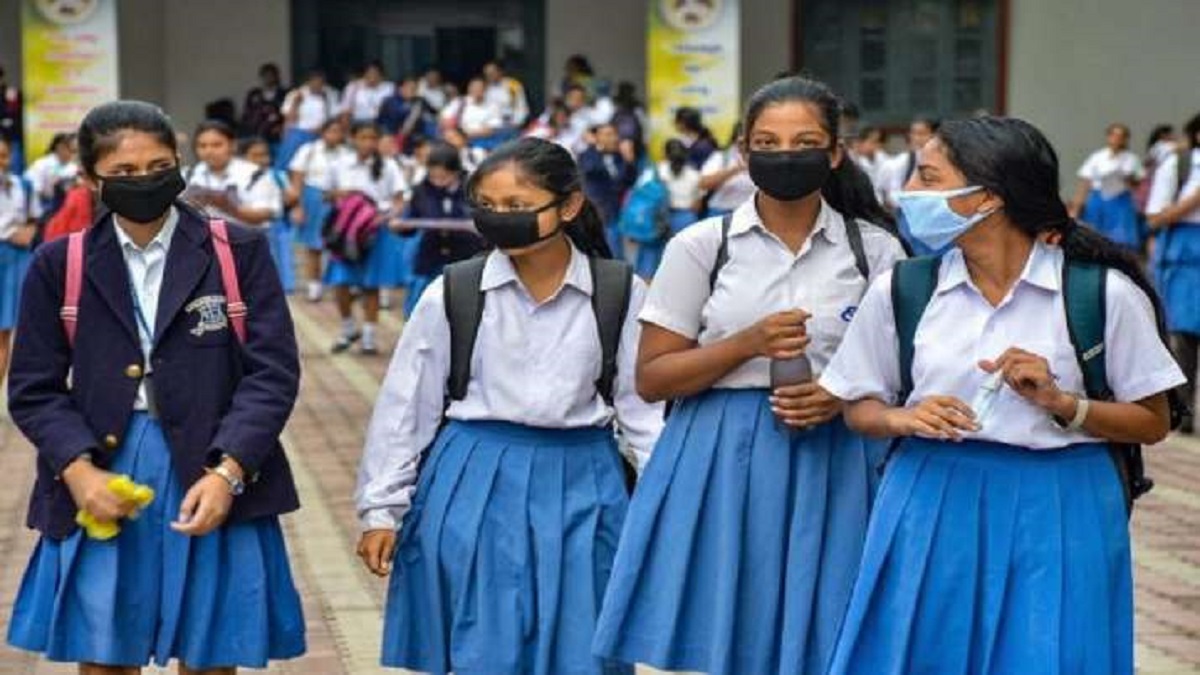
[1081,192]
[640,422]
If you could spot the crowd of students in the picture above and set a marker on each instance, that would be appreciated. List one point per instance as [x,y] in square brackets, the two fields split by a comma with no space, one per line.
[783,446]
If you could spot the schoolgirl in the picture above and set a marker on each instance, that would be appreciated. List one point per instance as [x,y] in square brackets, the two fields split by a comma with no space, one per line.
[744,534]
[999,539]
[18,211]
[684,195]
[305,111]
[150,373]
[51,175]
[367,172]
[257,151]
[224,184]
[364,97]
[312,176]
[609,169]
[697,138]
[1104,198]
[509,502]
[725,179]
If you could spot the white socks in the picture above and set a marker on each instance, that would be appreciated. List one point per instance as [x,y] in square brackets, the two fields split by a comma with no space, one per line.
[349,328]
[368,335]
[315,290]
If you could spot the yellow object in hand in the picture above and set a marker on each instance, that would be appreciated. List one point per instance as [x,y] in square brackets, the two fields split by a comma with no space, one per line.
[124,488]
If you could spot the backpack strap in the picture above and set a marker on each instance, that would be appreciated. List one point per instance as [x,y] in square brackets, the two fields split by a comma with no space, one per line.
[1183,170]
[1084,299]
[855,238]
[235,307]
[913,283]
[464,313]
[612,285]
[69,313]
[722,252]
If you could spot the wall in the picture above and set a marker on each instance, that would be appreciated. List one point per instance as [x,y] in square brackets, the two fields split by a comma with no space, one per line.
[1077,65]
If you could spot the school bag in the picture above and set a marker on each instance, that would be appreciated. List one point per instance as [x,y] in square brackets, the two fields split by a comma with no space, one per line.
[645,218]
[235,308]
[351,228]
[1183,170]
[612,284]
[1084,298]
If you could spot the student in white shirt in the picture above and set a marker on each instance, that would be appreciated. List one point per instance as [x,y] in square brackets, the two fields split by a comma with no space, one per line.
[224,185]
[476,116]
[18,211]
[433,89]
[509,502]
[312,178]
[257,151]
[506,94]
[725,178]
[51,174]
[379,178]
[363,97]
[741,544]
[305,110]
[872,159]
[999,540]
[682,182]
[1104,198]
[1173,211]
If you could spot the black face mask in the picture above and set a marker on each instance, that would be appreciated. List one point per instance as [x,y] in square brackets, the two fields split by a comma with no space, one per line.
[512,229]
[790,175]
[142,199]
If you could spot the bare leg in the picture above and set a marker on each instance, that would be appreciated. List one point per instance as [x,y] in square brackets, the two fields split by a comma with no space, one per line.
[370,301]
[5,341]
[345,303]
[93,669]
[312,264]
[184,670]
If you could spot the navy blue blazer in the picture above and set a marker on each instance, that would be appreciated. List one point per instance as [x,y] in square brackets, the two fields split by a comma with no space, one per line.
[213,395]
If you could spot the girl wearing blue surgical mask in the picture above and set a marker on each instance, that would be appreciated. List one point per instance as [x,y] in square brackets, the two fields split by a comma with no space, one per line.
[999,541]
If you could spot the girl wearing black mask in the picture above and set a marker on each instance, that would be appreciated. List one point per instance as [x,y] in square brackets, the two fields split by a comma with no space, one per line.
[506,541]
[745,533]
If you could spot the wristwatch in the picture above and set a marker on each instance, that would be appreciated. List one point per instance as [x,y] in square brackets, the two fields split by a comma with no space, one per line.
[236,485]
[1082,406]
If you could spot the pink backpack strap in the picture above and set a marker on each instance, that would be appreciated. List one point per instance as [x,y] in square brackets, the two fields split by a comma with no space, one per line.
[74,286]
[235,307]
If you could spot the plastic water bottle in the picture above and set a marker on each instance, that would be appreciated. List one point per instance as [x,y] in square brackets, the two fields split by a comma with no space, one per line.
[789,372]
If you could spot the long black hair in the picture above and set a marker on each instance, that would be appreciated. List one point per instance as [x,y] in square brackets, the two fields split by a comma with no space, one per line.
[1192,130]
[692,120]
[101,129]
[1160,132]
[551,168]
[849,191]
[376,157]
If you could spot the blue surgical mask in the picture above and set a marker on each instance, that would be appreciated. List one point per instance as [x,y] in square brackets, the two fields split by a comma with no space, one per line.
[930,219]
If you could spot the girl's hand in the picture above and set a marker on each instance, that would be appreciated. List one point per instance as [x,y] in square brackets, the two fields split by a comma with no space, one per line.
[939,418]
[23,237]
[205,506]
[804,405]
[1029,375]
[89,489]
[779,336]
[376,548]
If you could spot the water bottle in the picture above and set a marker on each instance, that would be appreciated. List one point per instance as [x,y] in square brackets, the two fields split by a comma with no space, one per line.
[789,372]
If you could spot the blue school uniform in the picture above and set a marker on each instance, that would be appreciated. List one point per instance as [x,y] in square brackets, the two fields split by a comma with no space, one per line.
[1177,275]
[293,139]
[226,599]
[382,267]
[742,540]
[282,241]
[17,207]
[1114,217]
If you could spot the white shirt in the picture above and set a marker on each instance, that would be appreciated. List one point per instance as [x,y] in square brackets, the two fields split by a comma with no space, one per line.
[896,173]
[879,169]
[47,171]
[434,96]
[146,267]
[763,277]
[508,97]
[362,101]
[1166,178]
[238,181]
[684,188]
[16,208]
[352,174]
[1109,172]
[316,160]
[534,364]
[313,108]
[960,328]
[733,192]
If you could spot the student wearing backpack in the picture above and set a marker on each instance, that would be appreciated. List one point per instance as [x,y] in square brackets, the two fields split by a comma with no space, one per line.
[19,211]
[1173,211]
[999,540]
[745,532]
[257,151]
[508,501]
[312,177]
[1104,198]
[368,174]
[156,345]
[682,183]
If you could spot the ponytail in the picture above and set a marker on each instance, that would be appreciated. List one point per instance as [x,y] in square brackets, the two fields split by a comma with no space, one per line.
[376,166]
[586,231]
[850,192]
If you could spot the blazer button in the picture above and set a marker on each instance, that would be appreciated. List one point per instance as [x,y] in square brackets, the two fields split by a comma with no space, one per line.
[111,442]
[133,371]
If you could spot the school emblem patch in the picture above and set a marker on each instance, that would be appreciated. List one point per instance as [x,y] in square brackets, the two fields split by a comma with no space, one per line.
[210,311]
[849,312]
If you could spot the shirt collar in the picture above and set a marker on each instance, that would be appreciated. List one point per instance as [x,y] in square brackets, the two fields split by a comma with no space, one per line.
[830,224]
[162,239]
[500,271]
[1041,269]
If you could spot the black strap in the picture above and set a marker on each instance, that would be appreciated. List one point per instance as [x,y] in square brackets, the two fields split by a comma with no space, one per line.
[464,312]
[913,283]
[612,285]
[722,252]
[855,237]
[1183,170]
[1085,301]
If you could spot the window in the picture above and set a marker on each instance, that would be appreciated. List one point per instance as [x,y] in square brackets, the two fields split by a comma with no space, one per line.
[900,58]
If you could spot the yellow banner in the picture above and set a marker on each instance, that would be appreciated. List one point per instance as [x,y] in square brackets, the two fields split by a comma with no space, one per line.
[693,57]
[69,53]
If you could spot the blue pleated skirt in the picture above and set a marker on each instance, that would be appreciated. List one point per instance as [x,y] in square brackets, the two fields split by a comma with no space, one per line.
[366,274]
[395,257]
[225,599]
[316,210]
[1115,218]
[1177,275]
[283,252]
[503,560]
[988,558]
[14,262]
[292,139]
[742,542]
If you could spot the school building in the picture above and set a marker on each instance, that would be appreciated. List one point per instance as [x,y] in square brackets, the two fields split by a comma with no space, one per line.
[1069,66]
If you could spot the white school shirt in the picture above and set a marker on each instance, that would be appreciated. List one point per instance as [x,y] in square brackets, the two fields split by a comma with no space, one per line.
[238,179]
[314,108]
[16,207]
[733,192]
[960,328]
[145,266]
[350,173]
[896,173]
[362,101]
[1109,172]
[508,97]
[684,189]
[1166,178]
[763,277]
[47,171]
[878,170]
[478,117]
[315,160]
[534,364]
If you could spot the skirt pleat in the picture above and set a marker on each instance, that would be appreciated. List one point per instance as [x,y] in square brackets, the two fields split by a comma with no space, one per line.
[14,262]
[316,210]
[1114,217]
